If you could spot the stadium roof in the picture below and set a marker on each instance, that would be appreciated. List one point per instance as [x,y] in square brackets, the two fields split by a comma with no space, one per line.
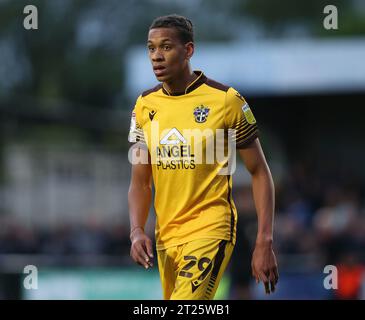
[269,67]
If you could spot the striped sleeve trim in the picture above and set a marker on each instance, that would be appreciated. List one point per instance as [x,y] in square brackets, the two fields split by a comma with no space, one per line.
[243,133]
[135,131]
[244,143]
[136,137]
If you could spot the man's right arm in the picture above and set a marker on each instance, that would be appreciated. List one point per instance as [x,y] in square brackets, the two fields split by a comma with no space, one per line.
[139,200]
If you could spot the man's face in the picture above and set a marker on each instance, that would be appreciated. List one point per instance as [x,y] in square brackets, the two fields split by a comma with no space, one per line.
[168,55]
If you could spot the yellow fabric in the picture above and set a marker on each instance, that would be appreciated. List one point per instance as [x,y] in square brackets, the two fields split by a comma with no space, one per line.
[192,201]
[192,271]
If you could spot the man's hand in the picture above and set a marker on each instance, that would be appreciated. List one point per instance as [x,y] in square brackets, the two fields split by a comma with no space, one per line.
[141,248]
[264,266]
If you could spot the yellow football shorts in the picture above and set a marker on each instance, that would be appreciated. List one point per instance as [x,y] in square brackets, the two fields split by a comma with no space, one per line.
[192,271]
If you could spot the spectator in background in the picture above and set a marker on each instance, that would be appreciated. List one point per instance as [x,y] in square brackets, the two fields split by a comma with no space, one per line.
[351,275]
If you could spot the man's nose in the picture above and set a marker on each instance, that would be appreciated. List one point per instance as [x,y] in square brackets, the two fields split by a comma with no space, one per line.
[157,56]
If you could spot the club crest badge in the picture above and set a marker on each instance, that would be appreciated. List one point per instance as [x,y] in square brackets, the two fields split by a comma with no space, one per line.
[201,114]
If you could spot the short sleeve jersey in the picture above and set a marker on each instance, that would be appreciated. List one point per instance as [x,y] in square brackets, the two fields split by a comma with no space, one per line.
[187,136]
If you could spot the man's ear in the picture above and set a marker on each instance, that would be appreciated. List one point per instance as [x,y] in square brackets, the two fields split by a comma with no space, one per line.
[189,47]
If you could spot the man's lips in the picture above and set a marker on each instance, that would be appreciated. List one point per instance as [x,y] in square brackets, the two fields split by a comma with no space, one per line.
[158,67]
[159,70]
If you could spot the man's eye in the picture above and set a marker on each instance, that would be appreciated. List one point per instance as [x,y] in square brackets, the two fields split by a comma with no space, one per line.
[151,49]
[166,47]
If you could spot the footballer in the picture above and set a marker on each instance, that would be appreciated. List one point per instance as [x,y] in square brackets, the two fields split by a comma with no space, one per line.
[196,217]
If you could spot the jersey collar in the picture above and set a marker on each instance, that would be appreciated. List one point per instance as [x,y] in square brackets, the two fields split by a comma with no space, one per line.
[201,78]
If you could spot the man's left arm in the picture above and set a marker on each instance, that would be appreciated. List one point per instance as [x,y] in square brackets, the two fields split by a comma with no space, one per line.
[264,264]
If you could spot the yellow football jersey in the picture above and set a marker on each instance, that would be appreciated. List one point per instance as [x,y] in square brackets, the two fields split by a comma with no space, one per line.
[184,135]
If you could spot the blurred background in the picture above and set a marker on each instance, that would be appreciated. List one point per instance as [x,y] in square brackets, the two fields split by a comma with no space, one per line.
[66,95]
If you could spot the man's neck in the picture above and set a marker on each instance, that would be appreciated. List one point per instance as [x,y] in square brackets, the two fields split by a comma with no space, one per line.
[179,85]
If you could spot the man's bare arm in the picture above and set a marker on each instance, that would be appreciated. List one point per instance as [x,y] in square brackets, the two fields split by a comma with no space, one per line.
[264,265]
[139,201]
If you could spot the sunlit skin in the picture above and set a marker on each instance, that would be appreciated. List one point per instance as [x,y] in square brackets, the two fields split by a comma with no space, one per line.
[170,59]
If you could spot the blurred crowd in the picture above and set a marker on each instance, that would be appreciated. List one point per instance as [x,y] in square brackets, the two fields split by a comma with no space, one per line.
[89,238]
[320,220]
[321,214]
